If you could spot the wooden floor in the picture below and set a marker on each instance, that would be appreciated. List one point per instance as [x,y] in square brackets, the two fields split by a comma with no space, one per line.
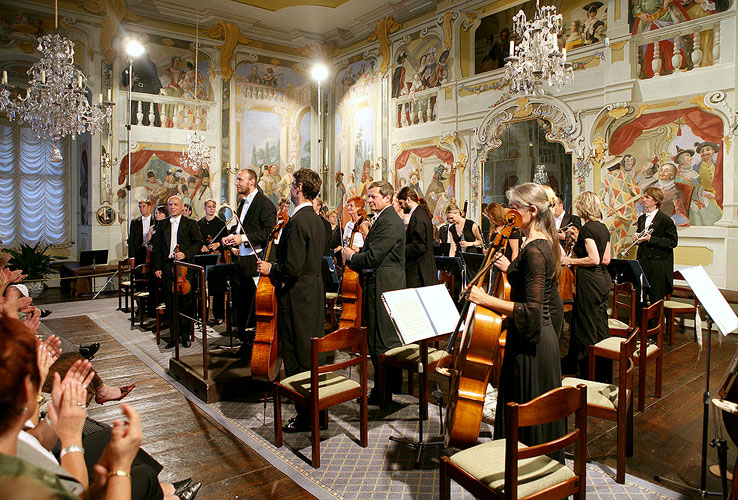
[186,441]
[668,434]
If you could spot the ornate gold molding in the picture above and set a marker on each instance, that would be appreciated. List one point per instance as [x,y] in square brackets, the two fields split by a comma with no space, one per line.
[383,29]
[231,36]
[322,51]
[618,113]
[447,23]
[525,108]
[115,11]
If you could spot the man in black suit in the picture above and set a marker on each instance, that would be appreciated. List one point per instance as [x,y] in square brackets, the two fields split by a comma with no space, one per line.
[257,216]
[382,261]
[138,233]
[177,230]
[420,264]
[567,220]
[212,231]
[656,250]
[298,283]
[317,207]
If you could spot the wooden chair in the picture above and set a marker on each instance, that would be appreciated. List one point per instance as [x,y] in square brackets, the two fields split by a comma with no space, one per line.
[505,468]
[139,291]
[613,401]
[124,284]
[321,387]
[673,308]
[331,298]
[408,358]
[623,297]
[161,315]
[652,353]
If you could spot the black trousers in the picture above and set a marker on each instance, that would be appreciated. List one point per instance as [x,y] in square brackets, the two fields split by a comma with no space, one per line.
[243,295]
[185,303]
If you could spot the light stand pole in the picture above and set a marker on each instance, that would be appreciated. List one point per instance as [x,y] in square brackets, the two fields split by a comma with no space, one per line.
[319,73]
[133,49]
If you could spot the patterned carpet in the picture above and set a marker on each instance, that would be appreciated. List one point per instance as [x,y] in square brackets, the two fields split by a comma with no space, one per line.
[383,470]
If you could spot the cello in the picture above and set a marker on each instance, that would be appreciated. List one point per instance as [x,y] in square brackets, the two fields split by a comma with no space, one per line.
[480,351]
[351,290]
[265,359]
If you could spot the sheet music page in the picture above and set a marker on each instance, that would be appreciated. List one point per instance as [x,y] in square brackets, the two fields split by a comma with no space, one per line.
[711,299]
[440,308]
[408,315]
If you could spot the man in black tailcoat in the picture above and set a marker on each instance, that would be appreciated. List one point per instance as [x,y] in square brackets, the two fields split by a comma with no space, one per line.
[382,262]
[138,232]
[171,232]
[298,283]
[564,219]
[656,250]
[257,216]
[420,264]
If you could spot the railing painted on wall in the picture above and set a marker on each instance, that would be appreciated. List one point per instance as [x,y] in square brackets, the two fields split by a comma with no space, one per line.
[158,111]
[417,107]
[262,92]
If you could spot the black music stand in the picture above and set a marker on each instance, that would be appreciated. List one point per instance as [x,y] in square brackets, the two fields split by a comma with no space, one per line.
[630,271]
[95,258]
[472,263]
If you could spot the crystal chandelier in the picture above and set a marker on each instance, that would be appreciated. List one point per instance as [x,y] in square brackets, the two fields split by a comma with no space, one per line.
[537,57]
[55,104]
[197,153]
[540,177]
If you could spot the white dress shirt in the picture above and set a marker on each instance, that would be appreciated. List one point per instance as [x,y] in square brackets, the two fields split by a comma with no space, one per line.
[175,227]
[244,249]
[145,224]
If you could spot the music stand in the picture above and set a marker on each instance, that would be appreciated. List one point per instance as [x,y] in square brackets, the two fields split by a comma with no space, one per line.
[94,258]
[630,271]
[472,263]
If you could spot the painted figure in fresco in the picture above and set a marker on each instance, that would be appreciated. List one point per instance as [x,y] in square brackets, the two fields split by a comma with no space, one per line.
[445,199]
[594,29]
[366,178]
[415,182]
[574,37]
[270,78]
[676,195]
[269,183]
[647,175]
[619,193]
[284,183]
[254,76]
[704,210]
[202,193]
[190,88]
[435,188]
[441,74]
[340,190]
[429,69]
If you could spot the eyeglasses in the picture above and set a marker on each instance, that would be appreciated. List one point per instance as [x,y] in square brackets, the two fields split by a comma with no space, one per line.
[295,184]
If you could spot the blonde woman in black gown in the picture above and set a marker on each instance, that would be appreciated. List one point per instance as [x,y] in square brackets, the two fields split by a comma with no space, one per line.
[531,365]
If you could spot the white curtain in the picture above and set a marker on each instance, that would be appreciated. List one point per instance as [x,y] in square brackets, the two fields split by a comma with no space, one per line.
[34,192]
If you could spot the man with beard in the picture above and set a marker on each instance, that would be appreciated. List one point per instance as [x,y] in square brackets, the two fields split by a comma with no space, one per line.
[420,265]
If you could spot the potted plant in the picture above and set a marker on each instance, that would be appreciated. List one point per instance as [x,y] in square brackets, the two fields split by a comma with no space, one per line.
[34,263]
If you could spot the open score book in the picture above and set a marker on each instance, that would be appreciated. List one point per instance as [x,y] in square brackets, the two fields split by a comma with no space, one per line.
[421,313]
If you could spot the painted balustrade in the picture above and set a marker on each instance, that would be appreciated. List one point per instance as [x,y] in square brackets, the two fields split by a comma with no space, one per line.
[417,107]
[260,92]
[158,111]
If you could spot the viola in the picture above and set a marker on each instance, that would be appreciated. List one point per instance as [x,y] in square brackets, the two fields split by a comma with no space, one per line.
[265,359]
[481,349]
[181,285]
[351,290]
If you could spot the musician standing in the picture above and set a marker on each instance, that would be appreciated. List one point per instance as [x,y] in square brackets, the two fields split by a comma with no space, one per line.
[170,232]
[531,363]
[296,276]
[138,234]
[382,261]
[564,219]
[420,264]
[212,232]
[257,216]
[591,254]
[656,250]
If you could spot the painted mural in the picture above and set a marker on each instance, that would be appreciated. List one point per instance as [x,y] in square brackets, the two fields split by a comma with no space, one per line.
[585,23]
[678,151]
[421,63]
[260,138]
[427,169]
[305,123]
[157,174]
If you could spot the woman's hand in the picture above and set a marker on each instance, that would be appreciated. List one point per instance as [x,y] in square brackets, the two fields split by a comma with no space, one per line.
[69,420]
[501,262]
[566,261]
[33,320]
[46,354]
[125,440]
[476,294]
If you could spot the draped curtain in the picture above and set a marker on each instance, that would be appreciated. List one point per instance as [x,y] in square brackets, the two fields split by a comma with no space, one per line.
[34,192]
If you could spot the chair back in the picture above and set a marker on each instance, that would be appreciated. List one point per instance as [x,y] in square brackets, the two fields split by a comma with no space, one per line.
[653,312]
[624,297]
[140,274]
[554,405]
[343,338]
[626,367]
[123,267]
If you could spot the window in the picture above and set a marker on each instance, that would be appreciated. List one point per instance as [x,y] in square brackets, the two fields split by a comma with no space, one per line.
[34,201]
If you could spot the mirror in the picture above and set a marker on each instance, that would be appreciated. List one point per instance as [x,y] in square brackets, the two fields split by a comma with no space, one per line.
[105,216]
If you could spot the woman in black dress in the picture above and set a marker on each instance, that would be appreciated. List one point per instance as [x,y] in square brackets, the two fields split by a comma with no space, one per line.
[465,234]
[531,364]
[591,256]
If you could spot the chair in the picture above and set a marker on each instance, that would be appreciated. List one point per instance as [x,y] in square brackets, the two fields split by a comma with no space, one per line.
[332,388]
[623,297]
[124,285]
[139,291]
[161,310]
[610,401]
[505,468]
[408,357]
[652,352]
[672,308]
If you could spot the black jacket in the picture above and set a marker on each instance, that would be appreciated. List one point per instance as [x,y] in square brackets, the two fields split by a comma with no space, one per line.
[657,255]
[136,238]
[188,238]
[259,221]
[572,219]
[420,264]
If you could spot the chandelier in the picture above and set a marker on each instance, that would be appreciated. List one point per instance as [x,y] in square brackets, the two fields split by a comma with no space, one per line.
[540,177]
[197,153]
[55,104]
[537,57]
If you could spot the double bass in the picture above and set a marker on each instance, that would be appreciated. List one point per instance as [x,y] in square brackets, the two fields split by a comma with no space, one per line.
[351,291]
[481,350]
[265,359]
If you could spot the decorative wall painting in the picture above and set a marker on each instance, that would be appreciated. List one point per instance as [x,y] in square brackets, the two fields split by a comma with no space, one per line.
[421,63]
[427,169]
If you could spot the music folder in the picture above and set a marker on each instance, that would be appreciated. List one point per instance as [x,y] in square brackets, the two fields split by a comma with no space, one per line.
[421,313]
[711,299]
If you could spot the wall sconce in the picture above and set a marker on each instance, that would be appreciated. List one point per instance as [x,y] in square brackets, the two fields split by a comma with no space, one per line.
[225,168]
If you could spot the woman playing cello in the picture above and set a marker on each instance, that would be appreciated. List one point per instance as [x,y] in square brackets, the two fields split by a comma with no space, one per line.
[531,364]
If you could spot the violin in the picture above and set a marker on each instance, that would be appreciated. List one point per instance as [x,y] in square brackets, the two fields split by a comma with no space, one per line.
[265,358]
[481,349]
[351,290]
[181,285]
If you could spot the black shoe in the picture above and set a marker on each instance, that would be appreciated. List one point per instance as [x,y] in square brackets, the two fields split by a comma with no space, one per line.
[191,491]
[181,486]
[186,343]
[89,351]
[297,424]
[215,322]
[170,345]
[244,352]
[374,399]
[44,312]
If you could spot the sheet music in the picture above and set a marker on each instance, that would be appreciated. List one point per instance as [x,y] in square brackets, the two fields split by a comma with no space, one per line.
[408,315]
[440,308]
[711,298]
